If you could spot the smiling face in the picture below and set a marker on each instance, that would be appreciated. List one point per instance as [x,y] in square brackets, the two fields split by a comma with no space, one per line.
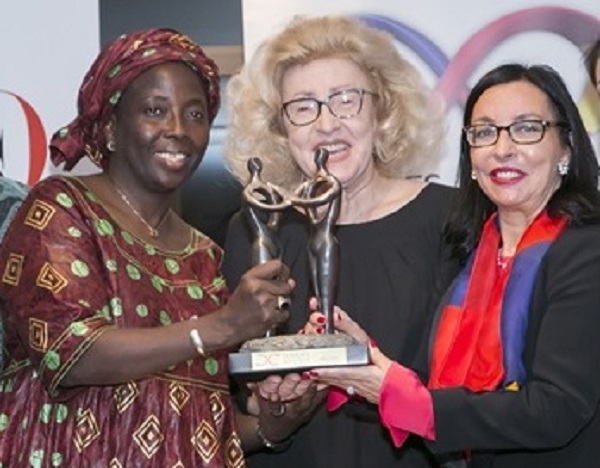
[517,178]
[161,129]
[349,141]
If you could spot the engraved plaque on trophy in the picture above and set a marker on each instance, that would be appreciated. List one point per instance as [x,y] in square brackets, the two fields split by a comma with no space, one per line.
[319,199]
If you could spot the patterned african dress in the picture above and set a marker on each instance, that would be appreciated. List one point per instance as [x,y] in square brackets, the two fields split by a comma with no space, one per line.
[69,272]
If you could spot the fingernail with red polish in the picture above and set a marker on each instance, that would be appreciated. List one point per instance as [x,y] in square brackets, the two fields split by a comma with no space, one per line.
[321,320]
[373,343]
[319,330]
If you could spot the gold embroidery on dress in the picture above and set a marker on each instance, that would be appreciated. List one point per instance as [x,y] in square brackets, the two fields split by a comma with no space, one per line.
[217,408]
[148,436]
[178,465]
[50,278]
[114,463]
[199,382]
[178,396]
[234,455]
[38,335]
[39,215]
[86,430]
[125,395]
[13,269]
[205,441]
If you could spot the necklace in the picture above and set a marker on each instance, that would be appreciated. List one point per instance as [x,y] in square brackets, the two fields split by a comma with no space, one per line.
[502,260]
[153,231]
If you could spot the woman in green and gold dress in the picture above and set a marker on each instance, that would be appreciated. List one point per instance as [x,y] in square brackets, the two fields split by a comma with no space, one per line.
[117,318]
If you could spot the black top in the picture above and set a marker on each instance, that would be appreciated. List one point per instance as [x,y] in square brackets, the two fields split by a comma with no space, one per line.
[392,273]
[554,421]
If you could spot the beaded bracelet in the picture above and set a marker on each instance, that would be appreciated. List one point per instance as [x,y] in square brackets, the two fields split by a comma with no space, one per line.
[195,338]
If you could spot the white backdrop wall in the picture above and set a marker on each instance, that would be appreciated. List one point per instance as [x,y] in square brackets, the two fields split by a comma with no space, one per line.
[453,43]
[45,49]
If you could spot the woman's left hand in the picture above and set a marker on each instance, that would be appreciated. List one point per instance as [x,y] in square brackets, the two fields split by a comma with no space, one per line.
[341,321]
[365,381]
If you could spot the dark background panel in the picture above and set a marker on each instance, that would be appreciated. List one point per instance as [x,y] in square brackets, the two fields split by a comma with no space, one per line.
[211,195]
[208,22]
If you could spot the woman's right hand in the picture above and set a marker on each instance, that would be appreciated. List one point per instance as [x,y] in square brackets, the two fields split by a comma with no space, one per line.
[252,309]
[123,354]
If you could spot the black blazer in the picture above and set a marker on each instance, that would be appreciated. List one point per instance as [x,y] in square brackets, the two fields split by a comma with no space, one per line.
[553,421]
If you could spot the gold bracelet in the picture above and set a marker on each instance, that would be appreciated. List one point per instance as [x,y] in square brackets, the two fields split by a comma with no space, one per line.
[195,338]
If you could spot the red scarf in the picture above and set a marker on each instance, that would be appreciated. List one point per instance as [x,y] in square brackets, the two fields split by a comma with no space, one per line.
[481,333]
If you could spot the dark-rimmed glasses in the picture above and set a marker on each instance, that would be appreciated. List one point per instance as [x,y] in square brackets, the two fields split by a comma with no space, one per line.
[343,104]
[522,132]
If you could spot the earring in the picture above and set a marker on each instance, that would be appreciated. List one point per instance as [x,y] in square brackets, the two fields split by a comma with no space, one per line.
[473,175]
[563,167]
[111,146]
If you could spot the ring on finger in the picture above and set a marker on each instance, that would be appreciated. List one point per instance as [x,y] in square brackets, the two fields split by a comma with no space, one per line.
[277,411]
[283,302]
[350,390]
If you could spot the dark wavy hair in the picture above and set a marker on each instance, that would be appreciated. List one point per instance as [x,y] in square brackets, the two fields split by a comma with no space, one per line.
[577,197]
[591,58]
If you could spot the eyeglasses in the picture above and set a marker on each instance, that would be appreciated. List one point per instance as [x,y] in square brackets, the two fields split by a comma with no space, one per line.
[343,104]
[522,132]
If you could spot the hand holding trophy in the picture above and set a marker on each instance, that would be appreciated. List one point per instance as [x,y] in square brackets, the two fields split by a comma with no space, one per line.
[319,199]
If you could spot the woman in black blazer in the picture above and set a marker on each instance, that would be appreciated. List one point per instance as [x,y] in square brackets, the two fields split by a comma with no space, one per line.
[514,355]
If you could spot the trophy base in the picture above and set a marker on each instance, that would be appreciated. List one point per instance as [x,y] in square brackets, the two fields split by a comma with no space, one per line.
[295,353]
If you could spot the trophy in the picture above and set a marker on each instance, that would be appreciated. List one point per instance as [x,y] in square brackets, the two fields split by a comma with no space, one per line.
[319,199]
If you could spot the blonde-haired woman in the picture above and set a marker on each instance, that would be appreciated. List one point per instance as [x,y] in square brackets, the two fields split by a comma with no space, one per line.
[335,83]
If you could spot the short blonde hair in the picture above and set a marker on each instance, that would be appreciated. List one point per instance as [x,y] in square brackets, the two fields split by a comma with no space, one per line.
[408,131]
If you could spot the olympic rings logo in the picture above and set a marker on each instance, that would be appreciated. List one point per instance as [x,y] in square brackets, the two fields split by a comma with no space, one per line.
[579,28]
